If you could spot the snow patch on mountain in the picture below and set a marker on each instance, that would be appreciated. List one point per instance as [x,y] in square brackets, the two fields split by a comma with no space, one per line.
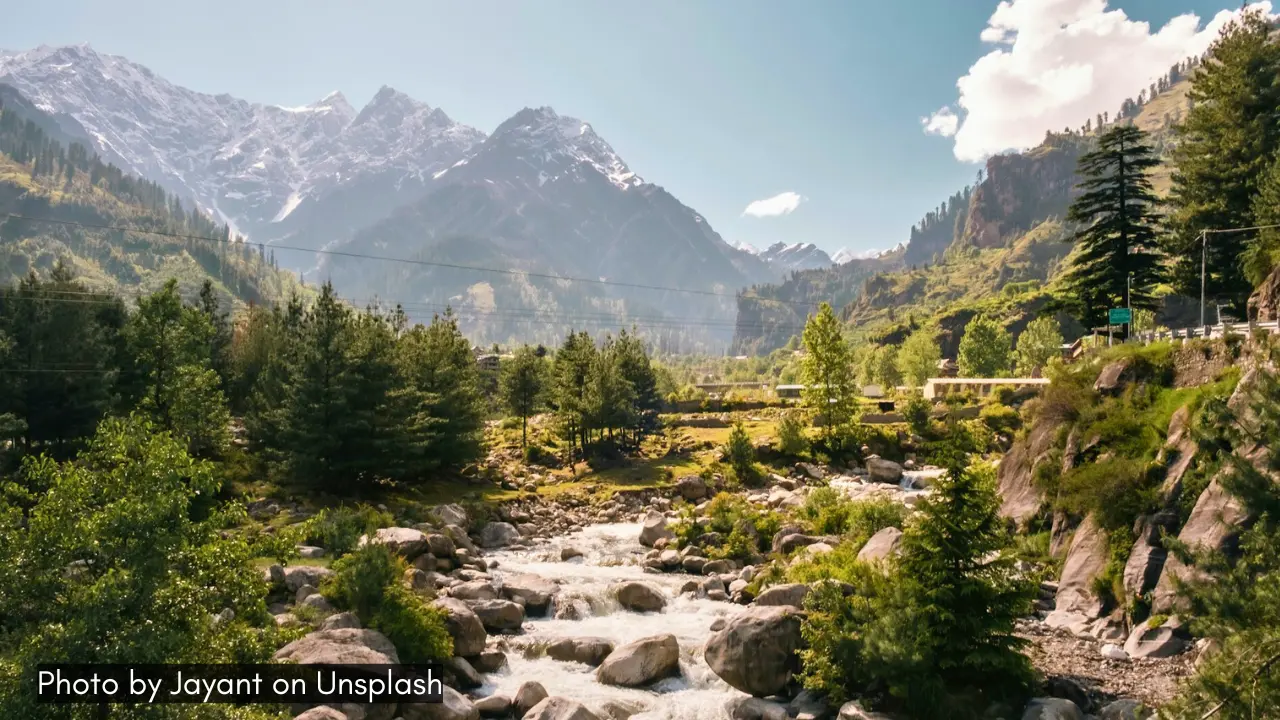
[796,256]
[844,255]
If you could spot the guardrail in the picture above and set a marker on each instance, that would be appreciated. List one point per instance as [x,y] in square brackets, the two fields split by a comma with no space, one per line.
[1207,331]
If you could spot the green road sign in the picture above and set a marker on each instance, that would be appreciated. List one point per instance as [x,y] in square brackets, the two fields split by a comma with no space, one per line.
[1119,316]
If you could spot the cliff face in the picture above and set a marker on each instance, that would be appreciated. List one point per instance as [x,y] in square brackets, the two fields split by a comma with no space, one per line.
[1021,190]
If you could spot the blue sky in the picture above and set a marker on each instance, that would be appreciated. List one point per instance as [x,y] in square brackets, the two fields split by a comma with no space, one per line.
[723,102]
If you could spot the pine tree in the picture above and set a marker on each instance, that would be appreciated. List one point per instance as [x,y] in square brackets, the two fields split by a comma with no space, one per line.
[1116,262]
[439,364]
[572,370]
[220,337]
[523,387]
[1226,143]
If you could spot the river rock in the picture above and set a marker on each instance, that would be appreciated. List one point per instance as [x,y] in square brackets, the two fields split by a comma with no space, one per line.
[440,545]
[586,650]
[881,546]
[340,647]
[883,471]
[449,515]
[405,542]
[691,488]
[753,708]
[464,673]
[693,564]
[498,616]
[464,626]
[498,534]
[654,528]
[794,541]
[639,596]
[716,567]
[1157,642]
[641,662]
[340,621]
[810,470]
[559,708]
[808,705]
[1052,709]
[569,553]
[294,577]
[792,594]
[489,661]
[622,708]
[756,651]
[534,592]
[494,706]
[455,706]
[324,712]
[474,590]
[460,539]
[528,695]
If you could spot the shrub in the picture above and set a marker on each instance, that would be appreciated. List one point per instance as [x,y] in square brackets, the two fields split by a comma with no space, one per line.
[535,454]
[338,530]
[828,512]
[740,453]
[1116,491]
[791,438]
[917,412]
[369,583]
[1001,418]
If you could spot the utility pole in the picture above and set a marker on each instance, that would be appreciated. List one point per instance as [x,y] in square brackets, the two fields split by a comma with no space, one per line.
[1204,258]
[1128,301]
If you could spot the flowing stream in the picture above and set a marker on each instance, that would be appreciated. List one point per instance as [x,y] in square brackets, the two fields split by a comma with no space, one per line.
[610,553]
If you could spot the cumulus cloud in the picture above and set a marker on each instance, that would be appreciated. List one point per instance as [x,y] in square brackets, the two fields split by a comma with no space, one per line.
[780,204]
[945,122]
[1059,63]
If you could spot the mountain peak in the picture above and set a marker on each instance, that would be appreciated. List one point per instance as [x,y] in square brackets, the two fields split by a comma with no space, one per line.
[542,135]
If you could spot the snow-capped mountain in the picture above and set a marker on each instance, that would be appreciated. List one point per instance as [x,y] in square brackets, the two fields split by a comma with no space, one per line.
[797,256]
[253,166]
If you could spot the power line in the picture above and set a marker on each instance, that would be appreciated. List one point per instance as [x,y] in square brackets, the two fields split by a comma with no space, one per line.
[408,261]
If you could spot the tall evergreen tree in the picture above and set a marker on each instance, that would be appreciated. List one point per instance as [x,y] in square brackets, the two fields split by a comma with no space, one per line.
[439,364]
[1116,263]
[572,372]
[1226,143]
[220,334]
[523,387]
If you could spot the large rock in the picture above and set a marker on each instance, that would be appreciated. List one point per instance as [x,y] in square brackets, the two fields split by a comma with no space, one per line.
[883,471]
[883,545]
[756,652]
[794,541]
[449,515]
[1052,709]
[639,596]
[1178,453]
[405,542]
[534,592]
[474,590]
[297,576]
[1125,710]
[641,662]
[586,650]
[791,594]
[464,673]
[852,710]
[499,616]
[442,546]
[1157,642]
[1020,497]
[340,647]
[753,708]
[454,707]
[493,706]
[1214,523]
[498,534]
[654,528]
[691,488]
[1114,376]
[1147,557]
[340,621]
[527,696]
[324,712]
[1086,560]
[464,627]
[559,708]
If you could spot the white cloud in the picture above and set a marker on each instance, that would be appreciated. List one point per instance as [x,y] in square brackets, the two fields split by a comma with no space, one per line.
[780,204]
[944,122]
[1059,63]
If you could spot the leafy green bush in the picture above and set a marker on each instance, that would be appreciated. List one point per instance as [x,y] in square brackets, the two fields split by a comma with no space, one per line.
[1000,418]
[338,530]
[746,529]
[791,438]
[827,511]
[740,453]
[1116,491]
[369,583]
[917,411]
[535,454]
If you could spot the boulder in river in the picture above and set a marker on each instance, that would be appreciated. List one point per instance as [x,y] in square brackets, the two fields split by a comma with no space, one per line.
[641,662]
[464,673]
[464,627]
[499,616]
[405,542]
[753,708]
[534,592]
[528,695]
[559,708]
[756,652]
[639,596]
[586,650]
[474,590]
[883,471]
[340,647]
[691,488]
[792,594]
[653,528]
[493,706]
[498,534]
[449,515]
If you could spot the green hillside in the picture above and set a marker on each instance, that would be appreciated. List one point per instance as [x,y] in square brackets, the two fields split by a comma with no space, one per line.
[118,233]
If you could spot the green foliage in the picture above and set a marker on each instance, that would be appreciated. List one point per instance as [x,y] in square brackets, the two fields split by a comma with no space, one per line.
[1226,146]
[880,365]
[1000,418]
[523,386]
[985,349]
[368,582]
[826,511]
[933,634]
[338,530]
[744,529]
[792,441]
[117,562]
[919,356]
[827,369]
[1039,343]
[739,451]
[917,411]
[1116,262]
[601,394]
